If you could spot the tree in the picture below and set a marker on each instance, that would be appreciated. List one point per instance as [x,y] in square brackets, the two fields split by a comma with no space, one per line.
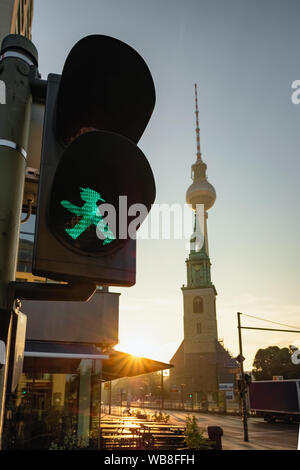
[194,438]
[275,361]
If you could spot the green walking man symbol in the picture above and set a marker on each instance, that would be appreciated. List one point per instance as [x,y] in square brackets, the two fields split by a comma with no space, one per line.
[89,214]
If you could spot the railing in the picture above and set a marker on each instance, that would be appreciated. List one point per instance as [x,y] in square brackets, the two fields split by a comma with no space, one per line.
[233,409]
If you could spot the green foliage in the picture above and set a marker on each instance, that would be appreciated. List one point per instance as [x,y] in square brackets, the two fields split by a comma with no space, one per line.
[160,417]
[157,416]
[274,361]
[194,436]
[137,413]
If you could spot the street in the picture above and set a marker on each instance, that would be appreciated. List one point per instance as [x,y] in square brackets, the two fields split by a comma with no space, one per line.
[262,435]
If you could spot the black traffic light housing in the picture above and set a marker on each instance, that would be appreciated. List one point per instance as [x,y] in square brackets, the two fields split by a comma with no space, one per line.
[248,379]
[96,112]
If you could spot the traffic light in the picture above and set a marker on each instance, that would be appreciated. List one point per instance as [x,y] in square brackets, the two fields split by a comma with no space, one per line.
[243,383]
[94,179]
[248,379]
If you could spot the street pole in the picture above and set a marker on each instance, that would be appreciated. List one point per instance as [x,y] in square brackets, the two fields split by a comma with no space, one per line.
[243,383]
[18,63]
[109,397]
[182,398]
[100,412]
[162,390]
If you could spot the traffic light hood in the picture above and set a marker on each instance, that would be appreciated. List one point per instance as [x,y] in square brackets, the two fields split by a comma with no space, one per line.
[105,85]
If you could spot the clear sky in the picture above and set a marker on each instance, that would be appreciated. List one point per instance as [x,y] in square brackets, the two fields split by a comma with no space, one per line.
[244,56]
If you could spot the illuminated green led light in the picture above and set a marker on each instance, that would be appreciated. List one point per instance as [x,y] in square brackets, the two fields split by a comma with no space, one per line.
[89,215]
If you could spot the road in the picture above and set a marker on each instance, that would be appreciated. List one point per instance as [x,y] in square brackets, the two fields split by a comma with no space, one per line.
[262,435]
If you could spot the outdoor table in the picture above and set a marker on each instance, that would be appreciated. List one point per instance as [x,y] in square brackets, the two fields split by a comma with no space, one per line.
[162,426]
[159,432]
[150,426]
[110,421]
[128,418]
[114,432]
[156,425]
[166,440]
[120,429]
[134,420]
[178,429]
[120,441]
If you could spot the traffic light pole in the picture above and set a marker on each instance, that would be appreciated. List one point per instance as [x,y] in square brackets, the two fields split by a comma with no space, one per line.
[17,62]
[243,390]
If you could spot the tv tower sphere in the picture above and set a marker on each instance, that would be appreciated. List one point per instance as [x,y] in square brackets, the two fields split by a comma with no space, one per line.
[200,191]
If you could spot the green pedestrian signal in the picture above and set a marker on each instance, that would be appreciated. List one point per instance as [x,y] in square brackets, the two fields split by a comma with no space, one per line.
[89,214]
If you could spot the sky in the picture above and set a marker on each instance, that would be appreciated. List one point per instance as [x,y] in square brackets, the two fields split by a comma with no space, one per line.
[243,55]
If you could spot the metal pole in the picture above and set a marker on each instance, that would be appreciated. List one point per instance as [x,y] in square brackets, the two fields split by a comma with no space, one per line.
[100,411]
[243,389]
[109,397]
[162,390]
[18,63]
[182,399]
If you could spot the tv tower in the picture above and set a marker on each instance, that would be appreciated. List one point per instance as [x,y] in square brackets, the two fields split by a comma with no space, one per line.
[199,294]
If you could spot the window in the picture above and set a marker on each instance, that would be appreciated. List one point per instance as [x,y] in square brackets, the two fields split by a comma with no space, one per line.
[198,304]
[51,410]
[199,328]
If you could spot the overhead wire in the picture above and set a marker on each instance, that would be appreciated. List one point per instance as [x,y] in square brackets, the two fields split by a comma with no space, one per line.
[270,321]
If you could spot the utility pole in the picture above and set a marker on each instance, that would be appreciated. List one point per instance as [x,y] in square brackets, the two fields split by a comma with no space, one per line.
[18,63]
[243,382]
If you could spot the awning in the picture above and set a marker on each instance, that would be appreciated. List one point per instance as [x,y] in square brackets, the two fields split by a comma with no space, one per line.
[50,357]
[122,364]
[62,350]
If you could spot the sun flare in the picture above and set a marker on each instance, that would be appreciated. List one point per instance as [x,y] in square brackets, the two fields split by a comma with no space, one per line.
[137,348]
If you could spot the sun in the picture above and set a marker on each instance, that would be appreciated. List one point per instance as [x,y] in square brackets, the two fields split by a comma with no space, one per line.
[136,347]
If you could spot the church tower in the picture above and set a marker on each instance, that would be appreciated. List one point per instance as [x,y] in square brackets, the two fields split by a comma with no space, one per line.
[199,294]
